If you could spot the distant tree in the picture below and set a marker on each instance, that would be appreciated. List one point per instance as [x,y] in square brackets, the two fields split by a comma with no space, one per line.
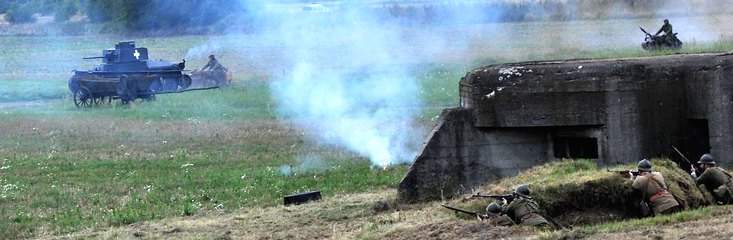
[20,13]
[144,15]
[45,7]
[4,6]
[67,9]
[99,11]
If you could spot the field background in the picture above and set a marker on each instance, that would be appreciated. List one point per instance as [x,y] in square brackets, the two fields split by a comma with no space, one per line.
[187,161]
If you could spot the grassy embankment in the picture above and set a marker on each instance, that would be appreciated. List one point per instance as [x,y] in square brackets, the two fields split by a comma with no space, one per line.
[64,169]
[375,214]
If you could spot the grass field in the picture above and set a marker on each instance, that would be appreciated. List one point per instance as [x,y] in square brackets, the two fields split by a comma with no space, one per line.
[216,152]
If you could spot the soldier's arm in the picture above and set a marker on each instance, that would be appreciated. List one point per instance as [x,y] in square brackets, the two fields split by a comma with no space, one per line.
[638,187]
[705,176]
[208,64]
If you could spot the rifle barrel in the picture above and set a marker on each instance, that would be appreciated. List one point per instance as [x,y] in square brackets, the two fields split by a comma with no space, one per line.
[459,210]
[685,158]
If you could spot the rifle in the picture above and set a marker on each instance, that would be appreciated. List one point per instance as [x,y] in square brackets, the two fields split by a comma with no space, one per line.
[463,211]
[508,197]
[683,157]
[625,172]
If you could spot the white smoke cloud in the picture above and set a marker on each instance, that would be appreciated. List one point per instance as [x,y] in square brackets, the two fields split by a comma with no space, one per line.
[204,49]
[346,84]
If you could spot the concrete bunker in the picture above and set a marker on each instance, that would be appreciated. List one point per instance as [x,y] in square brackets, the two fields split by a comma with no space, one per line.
[518,115]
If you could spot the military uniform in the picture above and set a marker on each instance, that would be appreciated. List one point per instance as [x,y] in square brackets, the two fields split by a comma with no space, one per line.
[500,220]
[525,211]
[213,65]
[668,35]
[655,192]
[666,28]
[718,182]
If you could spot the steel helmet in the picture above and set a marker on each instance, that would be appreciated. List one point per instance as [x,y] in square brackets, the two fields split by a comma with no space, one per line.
[707,159]
[645,165]
[523,190]
[493,209]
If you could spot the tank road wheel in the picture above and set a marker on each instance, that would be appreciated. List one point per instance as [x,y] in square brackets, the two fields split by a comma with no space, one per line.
[185,82]
[83,97]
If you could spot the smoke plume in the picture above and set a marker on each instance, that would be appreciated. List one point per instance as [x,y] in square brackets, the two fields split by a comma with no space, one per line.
[346,83]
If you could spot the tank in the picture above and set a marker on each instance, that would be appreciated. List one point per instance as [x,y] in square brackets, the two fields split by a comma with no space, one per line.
[127,74]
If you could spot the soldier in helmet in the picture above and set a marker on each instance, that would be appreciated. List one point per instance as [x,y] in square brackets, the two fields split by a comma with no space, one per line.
[523,210]
[714,179]
[667,29]
[213,64]
[651,188]
[495,216]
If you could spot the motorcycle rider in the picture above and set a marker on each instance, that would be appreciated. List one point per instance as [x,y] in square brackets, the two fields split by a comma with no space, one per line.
[667,29]
[213,64]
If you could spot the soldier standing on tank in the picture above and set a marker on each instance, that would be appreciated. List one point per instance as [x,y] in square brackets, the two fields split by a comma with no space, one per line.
[495,216]
[667,29]
[523,210]
[651,189]
[714,179]
[213,64]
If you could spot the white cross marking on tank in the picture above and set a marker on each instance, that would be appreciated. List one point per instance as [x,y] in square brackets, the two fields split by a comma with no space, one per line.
[136,54]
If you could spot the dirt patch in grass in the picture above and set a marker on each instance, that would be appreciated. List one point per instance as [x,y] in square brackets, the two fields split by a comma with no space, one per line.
[462,230]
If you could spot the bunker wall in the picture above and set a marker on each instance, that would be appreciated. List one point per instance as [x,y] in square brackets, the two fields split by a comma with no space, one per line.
[514,116]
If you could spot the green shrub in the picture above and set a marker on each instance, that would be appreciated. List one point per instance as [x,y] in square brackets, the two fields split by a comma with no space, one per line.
[20,14]
[67,9]
[189,210]
[4,7]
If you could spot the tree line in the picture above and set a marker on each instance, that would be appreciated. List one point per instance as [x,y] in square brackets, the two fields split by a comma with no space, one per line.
[136,15]
[206,16]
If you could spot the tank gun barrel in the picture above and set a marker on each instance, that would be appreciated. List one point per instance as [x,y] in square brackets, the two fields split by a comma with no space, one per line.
[94,57]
